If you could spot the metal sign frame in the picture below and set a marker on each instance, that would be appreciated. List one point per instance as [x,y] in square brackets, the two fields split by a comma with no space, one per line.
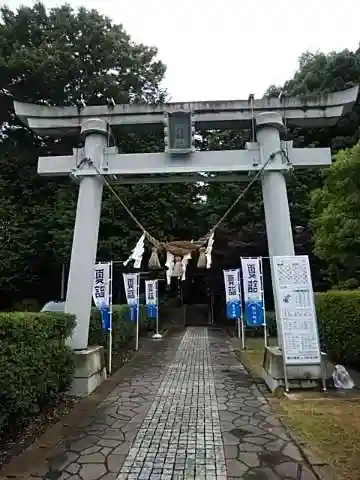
[278,309]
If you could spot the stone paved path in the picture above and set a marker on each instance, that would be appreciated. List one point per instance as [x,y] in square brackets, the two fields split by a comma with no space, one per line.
[192,412]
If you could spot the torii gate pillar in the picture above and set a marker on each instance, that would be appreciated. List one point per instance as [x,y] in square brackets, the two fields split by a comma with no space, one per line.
[276,205]
[86,231]
[274,192]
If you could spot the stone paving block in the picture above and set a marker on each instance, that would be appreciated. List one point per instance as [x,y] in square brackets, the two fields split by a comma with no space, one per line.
[189,412]
[185,413]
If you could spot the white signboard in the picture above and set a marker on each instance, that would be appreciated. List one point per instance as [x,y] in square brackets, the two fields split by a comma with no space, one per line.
[295,299]
[101,285]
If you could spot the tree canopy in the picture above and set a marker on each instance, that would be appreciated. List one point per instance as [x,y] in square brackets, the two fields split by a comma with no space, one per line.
[56,57]
[321,197]
[336,218]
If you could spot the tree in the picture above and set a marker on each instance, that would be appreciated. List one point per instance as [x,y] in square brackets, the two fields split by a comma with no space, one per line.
[326,73]
[335,218]
[317,73]
[54,57]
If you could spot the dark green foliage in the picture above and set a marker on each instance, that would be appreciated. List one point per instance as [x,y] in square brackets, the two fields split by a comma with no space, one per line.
[50,57]
[329,214]
[271,324]
[338,315]
[123,330]
[336,218]
[35,364]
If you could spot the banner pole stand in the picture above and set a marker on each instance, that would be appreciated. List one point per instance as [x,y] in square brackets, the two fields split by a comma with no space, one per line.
[110,319]
[323,373]
[157,335]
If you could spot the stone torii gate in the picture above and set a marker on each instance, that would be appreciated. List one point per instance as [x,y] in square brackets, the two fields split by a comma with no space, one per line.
[179,163]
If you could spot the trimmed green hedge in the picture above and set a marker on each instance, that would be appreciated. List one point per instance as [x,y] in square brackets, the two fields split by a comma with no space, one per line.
[271,324]
[35,364]
[338,314]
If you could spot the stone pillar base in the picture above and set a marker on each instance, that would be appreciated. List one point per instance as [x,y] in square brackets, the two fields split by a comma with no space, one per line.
[302,376]
[90,371]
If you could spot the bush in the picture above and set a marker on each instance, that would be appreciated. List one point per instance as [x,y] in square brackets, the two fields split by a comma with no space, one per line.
[35,364]
[271,324]
[259,331]
[338,314]
[123,331]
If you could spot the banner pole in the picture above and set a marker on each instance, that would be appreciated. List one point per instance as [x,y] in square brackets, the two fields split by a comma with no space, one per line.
[157,322]
[157,334]
[238,328]
[242,334]
[110,314]
[212,309]
[263,302]
[137,314]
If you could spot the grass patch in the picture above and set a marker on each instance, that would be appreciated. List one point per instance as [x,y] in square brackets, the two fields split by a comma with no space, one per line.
[253,356]
[328,427]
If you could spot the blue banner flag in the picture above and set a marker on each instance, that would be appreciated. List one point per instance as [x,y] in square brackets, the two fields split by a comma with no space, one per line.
[151,311]
[105,318]
[133,312]
[254,313]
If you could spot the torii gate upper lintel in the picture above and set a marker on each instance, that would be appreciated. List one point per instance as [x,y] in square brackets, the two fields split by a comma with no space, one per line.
[93,123]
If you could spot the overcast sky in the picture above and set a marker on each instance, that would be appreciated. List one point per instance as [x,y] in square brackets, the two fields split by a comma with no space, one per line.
[227,49]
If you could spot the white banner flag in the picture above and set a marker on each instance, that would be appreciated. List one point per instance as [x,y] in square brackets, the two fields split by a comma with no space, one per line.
[251,279]
[151,292]
[253,292]
[151,297]
[132,290]
[232,293]
[131,283]
[101,285]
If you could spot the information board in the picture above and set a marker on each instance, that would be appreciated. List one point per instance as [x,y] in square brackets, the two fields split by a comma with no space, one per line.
[296,307]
